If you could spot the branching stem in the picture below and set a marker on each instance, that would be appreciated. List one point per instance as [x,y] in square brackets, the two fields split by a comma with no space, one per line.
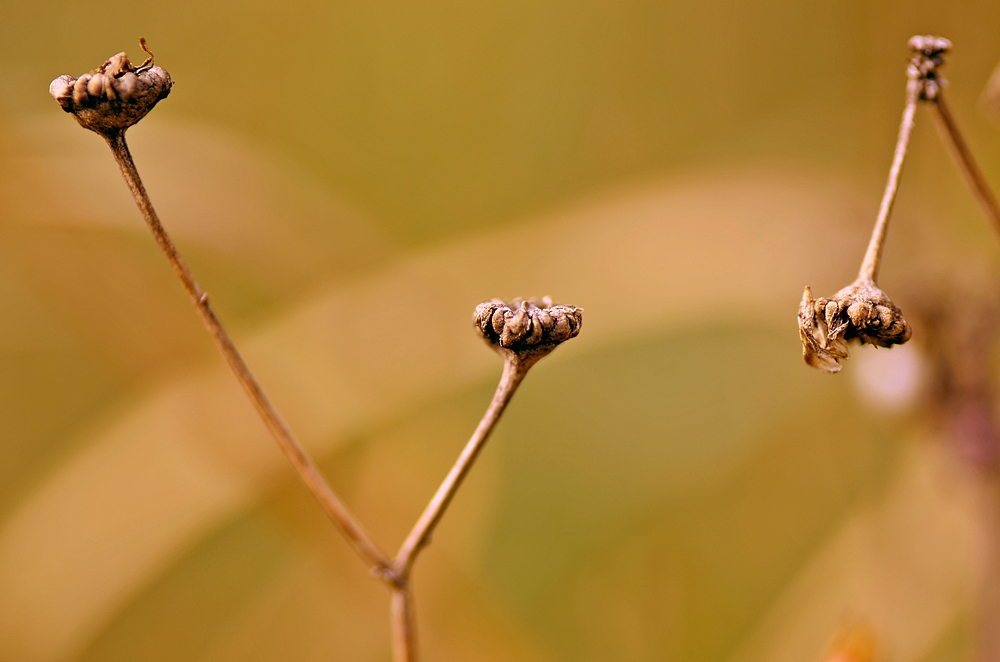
[395,572]
[965,163]
[403,623]
[348,524]
[873,256]
[522,331]
[513,373]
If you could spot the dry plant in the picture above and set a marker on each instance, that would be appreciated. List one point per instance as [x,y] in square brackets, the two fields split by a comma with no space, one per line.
[116,95]
[861,310]
[959,321]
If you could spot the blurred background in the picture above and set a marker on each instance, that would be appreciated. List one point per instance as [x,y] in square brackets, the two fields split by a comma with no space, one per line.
[348,180]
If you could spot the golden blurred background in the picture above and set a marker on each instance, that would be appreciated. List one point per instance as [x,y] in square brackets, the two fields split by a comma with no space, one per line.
[348,180]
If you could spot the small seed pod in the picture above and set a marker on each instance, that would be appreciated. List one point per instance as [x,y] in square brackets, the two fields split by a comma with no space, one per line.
[527,328]
[928,55]
[860,311]
[114,96]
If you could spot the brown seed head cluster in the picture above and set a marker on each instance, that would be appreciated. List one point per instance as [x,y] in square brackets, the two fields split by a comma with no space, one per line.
[114,96]
[859,311]
[527,327]
[928,55]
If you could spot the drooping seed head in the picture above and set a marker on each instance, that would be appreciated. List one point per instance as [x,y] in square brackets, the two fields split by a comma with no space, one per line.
[527,328]
[114,96]
[860,311]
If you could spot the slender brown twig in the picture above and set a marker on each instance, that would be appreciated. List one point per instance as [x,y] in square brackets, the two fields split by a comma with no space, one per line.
[404,629]
[348,524]
[873,256]
[403,623]
[514,371]
[965,162]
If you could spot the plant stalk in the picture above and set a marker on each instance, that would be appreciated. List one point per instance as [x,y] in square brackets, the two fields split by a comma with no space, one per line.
[873,256]
[348,524]
[965,162]
[514,371]
[404,630]
[403,624]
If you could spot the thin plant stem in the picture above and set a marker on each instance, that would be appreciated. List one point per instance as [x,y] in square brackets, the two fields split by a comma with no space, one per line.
[348,524]
[514,371]
[965,162]
[404,630]
[873,256]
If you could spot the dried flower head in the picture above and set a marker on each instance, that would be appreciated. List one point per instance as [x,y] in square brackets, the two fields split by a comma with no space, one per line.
[114,96]
[859,311]
[928,55]
[526,329]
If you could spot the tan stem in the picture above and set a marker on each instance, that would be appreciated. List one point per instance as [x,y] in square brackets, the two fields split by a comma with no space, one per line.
[966,163]
[873,256]
[355,534]
[404,631]
[513,372]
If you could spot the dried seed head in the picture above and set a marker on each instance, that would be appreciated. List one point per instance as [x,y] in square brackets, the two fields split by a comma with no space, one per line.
[859,311]
[928,55]
[527,329]
[114,96]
